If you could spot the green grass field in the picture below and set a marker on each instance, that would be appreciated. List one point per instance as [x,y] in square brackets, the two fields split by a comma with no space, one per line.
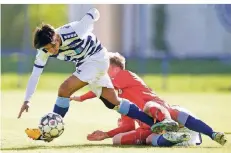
[174,83]
[83,118]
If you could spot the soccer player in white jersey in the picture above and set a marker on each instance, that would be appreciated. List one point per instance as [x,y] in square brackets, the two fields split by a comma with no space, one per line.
[75,42]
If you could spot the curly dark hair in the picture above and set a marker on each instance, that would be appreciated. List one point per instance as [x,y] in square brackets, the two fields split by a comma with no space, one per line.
[43,35]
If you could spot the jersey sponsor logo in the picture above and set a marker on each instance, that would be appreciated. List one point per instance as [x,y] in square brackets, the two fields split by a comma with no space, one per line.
[69,35]
[79,50]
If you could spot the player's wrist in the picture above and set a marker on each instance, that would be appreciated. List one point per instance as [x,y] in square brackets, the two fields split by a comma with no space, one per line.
[106,135]
[81,98]
[26,102]
[109,134]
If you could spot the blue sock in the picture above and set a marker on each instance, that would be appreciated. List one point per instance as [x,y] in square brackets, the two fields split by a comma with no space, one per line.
[62,105]
[131,110]
[159,140]
[195,124]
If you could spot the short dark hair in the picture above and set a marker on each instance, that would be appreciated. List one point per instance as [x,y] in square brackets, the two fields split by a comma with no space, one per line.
[117,60]
[43,35]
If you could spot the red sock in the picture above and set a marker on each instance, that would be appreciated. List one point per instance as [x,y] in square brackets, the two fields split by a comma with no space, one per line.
[157,114]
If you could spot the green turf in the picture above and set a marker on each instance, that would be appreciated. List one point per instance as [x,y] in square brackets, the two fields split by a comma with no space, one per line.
[174,83]
[84,118]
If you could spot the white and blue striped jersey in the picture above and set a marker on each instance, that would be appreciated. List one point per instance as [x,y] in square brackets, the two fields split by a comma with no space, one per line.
[78,43]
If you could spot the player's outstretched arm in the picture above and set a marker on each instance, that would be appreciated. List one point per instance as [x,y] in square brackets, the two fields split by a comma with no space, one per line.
[88,95]
[39,64]
[125,124]
[85,25]
[31,86]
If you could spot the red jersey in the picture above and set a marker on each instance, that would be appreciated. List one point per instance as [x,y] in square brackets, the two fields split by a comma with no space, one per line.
[131,87]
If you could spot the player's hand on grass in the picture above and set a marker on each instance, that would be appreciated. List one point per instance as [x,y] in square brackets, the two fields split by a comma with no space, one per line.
[76,98]
[25,107]
[97,136]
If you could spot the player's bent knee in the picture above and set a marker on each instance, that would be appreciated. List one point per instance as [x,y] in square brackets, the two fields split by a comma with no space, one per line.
[64,90]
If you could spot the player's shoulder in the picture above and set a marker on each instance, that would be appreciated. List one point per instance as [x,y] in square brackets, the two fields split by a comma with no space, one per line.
[132,76]
[124,76]
[128,73]
[123,73]
[65,29]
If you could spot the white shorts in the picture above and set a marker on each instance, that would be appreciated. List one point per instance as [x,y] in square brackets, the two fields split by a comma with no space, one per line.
[94,72]
[196,138]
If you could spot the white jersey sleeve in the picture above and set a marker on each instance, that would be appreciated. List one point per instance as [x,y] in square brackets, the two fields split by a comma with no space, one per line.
[85,25]
[40,62]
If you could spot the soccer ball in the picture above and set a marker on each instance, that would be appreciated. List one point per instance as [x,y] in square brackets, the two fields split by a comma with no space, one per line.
[51,125]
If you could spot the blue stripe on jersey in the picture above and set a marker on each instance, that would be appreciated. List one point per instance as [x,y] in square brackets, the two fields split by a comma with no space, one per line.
[38,66]
[89,40]
[96,40]
[99,47]
[78,64]
[73,48]
[92,50]
[90,15]
[73,43]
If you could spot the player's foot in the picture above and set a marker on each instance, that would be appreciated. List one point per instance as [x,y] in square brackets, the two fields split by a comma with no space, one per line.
[165,125]
[177,137]
[35,134]
[219,138]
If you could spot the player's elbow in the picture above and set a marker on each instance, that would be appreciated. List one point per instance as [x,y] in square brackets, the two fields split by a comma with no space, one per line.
[94,13]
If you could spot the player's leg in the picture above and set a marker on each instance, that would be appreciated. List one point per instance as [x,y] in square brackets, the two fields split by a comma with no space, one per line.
[135,137]
[107,103]
[167,139]
[124,106]
[186,119]
[160,113]
[94,71]
[67,88]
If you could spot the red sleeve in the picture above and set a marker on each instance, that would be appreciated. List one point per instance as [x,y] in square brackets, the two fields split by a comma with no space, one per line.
[87,95]
[126,124]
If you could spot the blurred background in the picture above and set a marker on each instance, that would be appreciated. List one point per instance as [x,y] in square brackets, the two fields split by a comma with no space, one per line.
[175,48]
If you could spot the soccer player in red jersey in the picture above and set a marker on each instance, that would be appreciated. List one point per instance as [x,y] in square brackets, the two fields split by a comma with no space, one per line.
[133,88]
